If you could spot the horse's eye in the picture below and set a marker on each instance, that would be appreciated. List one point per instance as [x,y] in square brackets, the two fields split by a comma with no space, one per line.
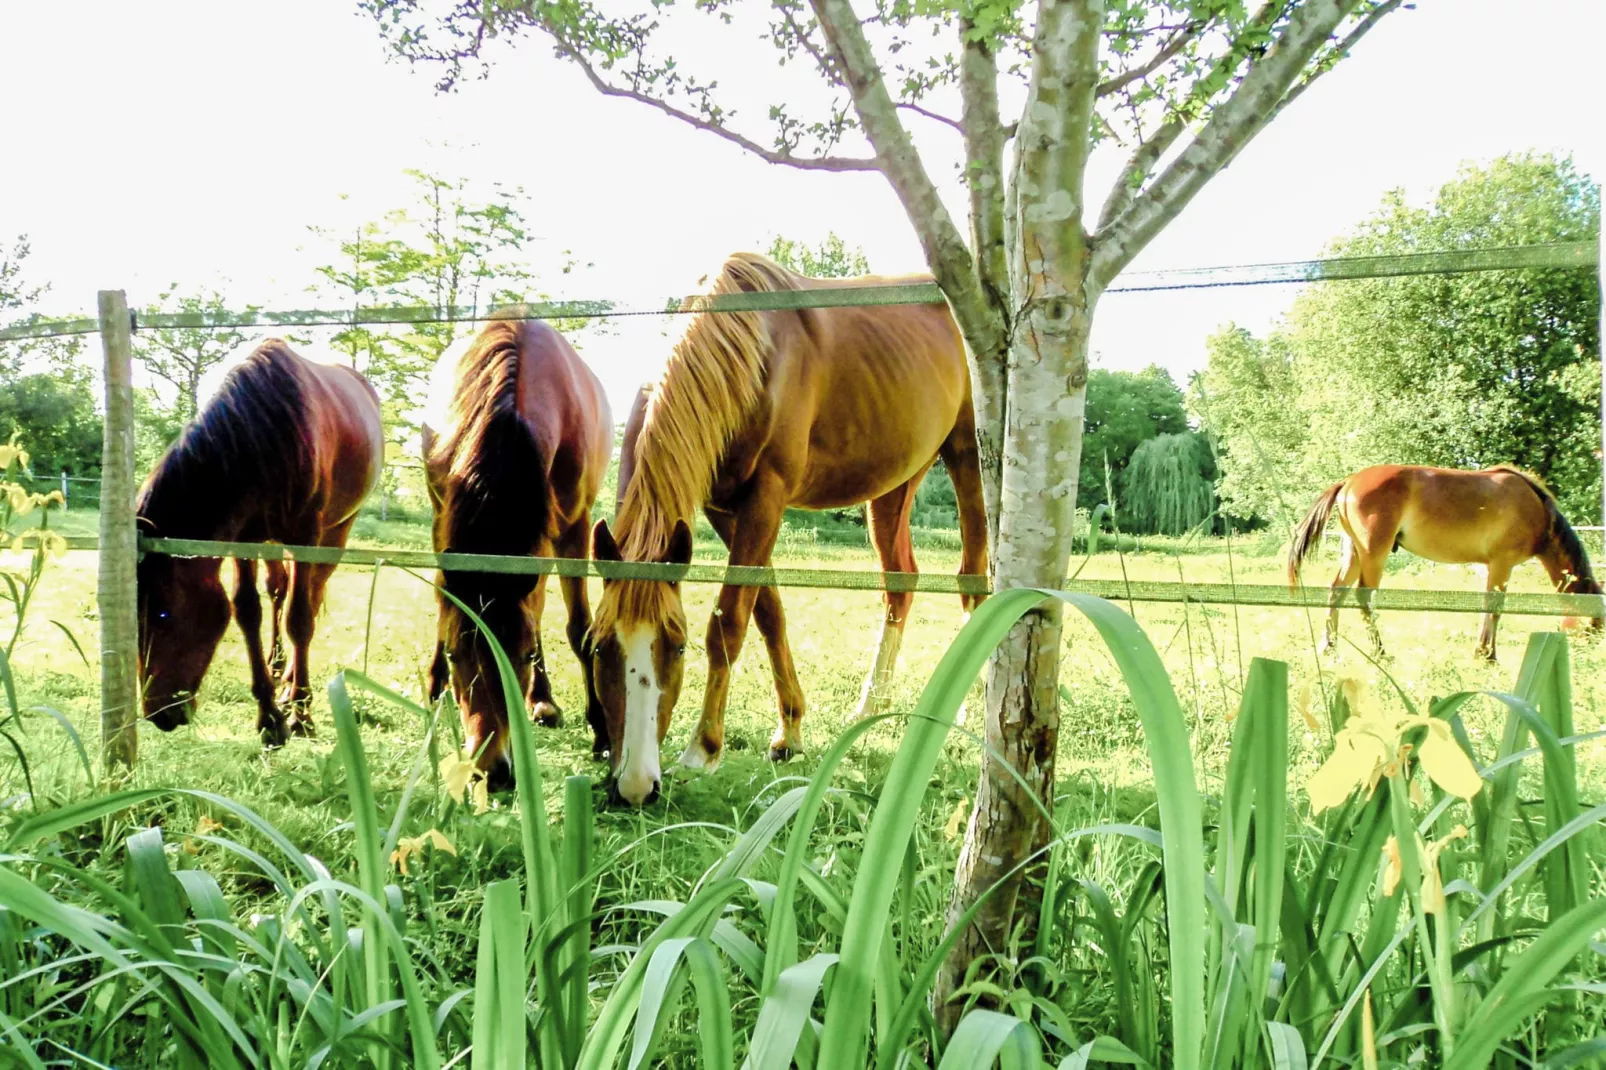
[680,650]
[162,615]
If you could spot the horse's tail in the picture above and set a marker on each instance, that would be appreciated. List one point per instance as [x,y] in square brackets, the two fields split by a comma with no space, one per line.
[496,497]
[1309,532]
[1559,534]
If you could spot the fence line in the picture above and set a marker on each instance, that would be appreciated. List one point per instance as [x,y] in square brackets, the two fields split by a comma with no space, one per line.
[1267,595]
[1560,255]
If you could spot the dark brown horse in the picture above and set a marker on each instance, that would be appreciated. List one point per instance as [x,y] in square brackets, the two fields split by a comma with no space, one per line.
[756,411]
[1499,518]
[515,446]
[285,451]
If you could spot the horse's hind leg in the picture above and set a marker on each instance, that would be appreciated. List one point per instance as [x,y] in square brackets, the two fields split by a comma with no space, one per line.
[959,457]
[1371,578]
[771,621]
[1349,570]
[889,530]
[1499,576]
[248,613]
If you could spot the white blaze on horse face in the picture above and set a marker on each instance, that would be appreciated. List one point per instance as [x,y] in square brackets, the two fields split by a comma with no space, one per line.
[638,771]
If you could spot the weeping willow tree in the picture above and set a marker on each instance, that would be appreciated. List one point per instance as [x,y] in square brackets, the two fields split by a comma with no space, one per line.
[1170,487]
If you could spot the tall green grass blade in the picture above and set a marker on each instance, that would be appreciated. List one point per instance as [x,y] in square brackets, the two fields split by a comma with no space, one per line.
[783,1015]
[1103,1050]
[1287,1047]
[984,1037]
[660,995]
[577,821]
[1523,985]
[714,1033]
[371,860]
[848,1008]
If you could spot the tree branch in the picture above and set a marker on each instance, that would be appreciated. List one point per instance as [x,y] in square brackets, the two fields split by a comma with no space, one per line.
[803,163]
[1055,137]
[1341,50]
[934,116]
[1179,40]
[946,253]
[1231,126]
[1137,169]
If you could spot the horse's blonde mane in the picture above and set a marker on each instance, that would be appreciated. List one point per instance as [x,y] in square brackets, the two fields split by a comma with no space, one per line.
[707,394]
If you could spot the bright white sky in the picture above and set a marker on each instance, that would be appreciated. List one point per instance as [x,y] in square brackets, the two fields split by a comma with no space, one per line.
[195,141]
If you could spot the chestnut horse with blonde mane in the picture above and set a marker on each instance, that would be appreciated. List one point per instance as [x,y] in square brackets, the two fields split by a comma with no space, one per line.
[517,436]
[1498,517]
[819,408]
[285,451]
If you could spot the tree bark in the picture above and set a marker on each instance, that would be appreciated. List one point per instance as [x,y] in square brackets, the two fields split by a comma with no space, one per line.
[1047,388]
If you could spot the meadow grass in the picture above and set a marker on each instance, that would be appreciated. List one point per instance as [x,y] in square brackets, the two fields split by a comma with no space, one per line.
[664,853]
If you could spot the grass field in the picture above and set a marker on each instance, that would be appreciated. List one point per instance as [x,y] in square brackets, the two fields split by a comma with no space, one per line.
[1103,764]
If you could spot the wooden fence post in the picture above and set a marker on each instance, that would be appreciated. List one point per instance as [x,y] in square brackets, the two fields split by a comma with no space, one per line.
[116,597]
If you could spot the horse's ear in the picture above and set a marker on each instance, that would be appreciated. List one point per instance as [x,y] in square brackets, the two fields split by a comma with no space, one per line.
[603,548]
[679,552]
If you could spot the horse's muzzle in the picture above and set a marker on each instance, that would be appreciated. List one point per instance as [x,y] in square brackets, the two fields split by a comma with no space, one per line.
[176,711]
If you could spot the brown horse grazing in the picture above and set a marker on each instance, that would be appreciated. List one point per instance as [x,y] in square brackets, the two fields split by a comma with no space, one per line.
[1498,517]
[285,451]
[515,446]
[756,411]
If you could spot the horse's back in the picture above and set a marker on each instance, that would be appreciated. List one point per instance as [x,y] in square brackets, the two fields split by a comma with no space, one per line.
[347,433]
[1451,515]
[881,389]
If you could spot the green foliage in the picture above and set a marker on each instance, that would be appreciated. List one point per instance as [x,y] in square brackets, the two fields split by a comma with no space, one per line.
[451,247]
[54,413]
[182,356]
[1248,933]
[1170,484]
[830,259]
[1124,410]
[1463,371]
[19,357]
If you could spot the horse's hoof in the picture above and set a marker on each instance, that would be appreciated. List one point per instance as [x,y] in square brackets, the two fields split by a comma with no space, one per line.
[700,757]
[547,715]
[273,736]
[301,726]
[781,752]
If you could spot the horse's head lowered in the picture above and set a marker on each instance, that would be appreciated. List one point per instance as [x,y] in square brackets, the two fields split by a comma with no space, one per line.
[183,612]
[638,652]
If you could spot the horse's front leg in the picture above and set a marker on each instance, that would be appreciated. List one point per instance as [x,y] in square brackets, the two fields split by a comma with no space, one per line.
[575,544]
[543,707]
[757,523]
[248,613]
[1499,576]
[278,587]
[771,620]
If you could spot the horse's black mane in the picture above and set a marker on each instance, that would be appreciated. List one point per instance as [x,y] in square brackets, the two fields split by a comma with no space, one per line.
[246,445]
[495,496]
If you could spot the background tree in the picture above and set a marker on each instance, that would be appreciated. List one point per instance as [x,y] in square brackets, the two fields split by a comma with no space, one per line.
[449,247]
[1180,85]
[830,259]
[45,393]
[1170,484]
[181,356]
[55,415]
[1462,370]
[1124,410]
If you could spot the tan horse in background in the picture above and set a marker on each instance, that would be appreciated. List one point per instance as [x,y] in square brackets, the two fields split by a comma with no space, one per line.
[1498,517]
[818,408]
